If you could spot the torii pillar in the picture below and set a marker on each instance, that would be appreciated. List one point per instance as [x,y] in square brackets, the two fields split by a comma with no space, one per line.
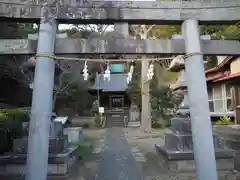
[41,112]
[146,104]
[203,147]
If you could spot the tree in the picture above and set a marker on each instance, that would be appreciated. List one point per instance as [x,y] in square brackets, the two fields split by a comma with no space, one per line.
[164,103]
[151,32]
[217,32]
[72,92]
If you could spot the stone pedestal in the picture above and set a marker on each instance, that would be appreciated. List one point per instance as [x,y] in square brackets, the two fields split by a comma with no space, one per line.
[74,134]
[62,159]
[230,135]
[178,148]
[56,145]
[134,114]
[60,165]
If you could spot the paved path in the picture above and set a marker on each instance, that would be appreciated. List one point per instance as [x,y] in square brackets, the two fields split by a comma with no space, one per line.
[117,161]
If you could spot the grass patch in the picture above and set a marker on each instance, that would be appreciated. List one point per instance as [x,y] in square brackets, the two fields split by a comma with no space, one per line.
[85,148]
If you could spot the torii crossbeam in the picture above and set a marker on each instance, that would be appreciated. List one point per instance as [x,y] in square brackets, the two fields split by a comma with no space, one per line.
[120,46]
[105,12]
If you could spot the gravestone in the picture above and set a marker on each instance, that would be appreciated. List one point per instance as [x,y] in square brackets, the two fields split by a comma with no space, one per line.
[57,126]
[134,113]
[57,141]
[56,145]
[134,116]
[74,134]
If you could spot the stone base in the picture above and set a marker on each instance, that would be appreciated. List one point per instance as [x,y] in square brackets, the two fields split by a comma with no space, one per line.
[237,161]
[59,165]
[184,161]
[189,165]
[74,134]
[134,124]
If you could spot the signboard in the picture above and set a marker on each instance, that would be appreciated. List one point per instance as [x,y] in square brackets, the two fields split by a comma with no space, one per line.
[117,68]
[101,110]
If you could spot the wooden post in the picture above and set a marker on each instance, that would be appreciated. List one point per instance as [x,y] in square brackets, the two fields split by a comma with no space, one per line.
[236,102]
[146,108]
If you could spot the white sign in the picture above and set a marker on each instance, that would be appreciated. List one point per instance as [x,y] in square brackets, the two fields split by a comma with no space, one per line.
[101,110]
[31,85]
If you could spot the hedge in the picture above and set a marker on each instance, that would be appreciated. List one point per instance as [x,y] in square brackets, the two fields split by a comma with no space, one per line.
[11,127]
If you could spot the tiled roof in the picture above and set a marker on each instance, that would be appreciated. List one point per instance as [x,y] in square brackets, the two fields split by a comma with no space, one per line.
[228,77]
[213,78]
[219,66]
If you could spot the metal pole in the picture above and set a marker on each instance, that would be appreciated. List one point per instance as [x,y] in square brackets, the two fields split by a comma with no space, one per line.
[204,153]
[41,112]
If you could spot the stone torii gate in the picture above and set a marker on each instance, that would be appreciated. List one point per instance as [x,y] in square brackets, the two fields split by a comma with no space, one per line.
[189,14]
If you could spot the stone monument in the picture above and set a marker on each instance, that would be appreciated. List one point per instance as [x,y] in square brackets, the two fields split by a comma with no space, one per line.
[230,135]
[178,148]
[62,158]
[134,116]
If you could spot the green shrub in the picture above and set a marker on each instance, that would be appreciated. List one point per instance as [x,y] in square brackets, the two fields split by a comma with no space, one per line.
[85,125]
[225,120]
[11,127]
[157,125]
[97,120]
[84,148]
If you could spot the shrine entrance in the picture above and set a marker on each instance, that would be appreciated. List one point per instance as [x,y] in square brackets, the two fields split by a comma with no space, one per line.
[187,13]
[116,102]
[116,107]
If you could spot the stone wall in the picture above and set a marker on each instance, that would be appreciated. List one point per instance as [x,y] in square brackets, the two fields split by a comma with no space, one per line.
[80,120]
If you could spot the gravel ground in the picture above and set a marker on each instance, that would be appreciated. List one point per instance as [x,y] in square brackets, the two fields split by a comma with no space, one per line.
[154,167]
[142,146]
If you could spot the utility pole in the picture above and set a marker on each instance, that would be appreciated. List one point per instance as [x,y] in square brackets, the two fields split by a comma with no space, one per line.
[41,112]
[204,153]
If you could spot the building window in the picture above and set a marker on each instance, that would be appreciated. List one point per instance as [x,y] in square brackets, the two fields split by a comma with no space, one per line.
[229,103]
[220,98]
[210,100]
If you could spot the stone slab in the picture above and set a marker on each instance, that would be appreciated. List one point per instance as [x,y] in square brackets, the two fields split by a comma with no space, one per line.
[233,144]
[237,161]
[183,142]
[135,124]
[117,160]
[55,172]
[74,134]
[61,166]
[57,158]
[188,155]
[181,125]
[56,145]
[189,165]
[228,132]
